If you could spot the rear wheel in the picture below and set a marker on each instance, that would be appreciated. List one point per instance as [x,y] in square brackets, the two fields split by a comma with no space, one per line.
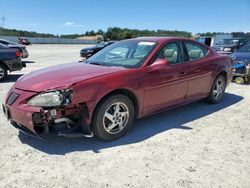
[217,90]
[3,72]
[113,117]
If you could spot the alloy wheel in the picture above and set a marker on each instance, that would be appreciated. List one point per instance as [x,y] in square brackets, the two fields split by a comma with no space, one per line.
[116,118]
[218,89]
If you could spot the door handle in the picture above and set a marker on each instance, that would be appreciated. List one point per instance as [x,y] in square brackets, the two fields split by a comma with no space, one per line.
[182,73]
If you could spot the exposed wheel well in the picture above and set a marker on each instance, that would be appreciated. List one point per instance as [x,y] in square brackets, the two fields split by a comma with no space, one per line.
[223,73]
[125,92]
[5,66]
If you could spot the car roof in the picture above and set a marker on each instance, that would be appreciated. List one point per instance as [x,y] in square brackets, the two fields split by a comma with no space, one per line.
[238,38]
[3,46]
[160,39]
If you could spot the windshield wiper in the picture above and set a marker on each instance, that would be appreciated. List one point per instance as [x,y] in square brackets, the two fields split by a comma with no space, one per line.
[93,63]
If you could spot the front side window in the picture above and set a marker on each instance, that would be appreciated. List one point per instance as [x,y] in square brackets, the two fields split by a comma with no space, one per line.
[170,52]
[128,54]
[195,51]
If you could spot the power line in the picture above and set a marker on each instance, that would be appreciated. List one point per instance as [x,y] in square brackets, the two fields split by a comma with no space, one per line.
[3,21]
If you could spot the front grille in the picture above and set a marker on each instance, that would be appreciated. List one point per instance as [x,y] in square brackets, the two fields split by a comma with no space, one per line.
[241,70]
[12,98]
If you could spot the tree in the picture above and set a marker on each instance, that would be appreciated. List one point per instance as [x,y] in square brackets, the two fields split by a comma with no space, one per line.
[100,32]
[92,33]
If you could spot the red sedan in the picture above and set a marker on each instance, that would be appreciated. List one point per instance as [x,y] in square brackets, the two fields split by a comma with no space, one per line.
[127,80]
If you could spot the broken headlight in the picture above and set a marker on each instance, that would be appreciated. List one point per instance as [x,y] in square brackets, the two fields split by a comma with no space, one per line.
[53,98]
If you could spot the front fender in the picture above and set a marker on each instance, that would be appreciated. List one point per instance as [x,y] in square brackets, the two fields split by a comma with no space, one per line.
[91,92]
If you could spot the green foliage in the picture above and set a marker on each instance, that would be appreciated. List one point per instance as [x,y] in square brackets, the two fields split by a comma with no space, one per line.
[207,34]
[112,33]
[72,36]
[116,33]
[20,33]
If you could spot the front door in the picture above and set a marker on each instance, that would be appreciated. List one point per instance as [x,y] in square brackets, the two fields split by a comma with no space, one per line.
[166,87]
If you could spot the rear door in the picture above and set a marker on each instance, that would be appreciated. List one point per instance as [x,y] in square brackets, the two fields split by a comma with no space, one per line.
[201,71]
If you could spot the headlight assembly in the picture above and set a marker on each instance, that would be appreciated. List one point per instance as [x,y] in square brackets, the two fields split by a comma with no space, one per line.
[53,98]
[227,49]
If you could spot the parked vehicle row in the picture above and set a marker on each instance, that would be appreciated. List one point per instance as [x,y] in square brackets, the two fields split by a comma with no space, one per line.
[10,57]
[241,68]
[24,41]
[126,80]
[228,46]
[10,44]
[10,60]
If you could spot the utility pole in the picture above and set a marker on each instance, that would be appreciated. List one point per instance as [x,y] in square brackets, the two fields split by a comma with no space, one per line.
[3,21]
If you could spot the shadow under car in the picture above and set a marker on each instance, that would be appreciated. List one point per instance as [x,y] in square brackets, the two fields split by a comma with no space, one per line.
[11,78]
[142,129]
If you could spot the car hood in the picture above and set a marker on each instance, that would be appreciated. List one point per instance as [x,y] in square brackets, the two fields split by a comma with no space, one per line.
[90,48]
[241,56]
[229,46]
[62,76]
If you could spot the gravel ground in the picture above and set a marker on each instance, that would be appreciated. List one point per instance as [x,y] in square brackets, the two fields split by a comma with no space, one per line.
[198,145]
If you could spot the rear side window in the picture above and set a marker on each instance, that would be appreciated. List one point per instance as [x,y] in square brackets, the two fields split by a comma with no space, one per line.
[195,51]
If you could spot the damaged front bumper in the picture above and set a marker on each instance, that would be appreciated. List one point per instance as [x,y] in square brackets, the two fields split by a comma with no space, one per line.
[67,121]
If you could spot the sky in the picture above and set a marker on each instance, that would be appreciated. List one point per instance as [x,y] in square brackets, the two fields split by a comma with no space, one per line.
[79,16]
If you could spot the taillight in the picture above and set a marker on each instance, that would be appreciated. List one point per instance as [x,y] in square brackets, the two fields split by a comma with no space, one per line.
[18,54]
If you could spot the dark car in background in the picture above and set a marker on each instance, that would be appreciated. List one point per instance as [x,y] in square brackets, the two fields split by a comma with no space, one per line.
[243,53]
[241,67]
[10,60]
[11,44]
[24,41]
[228,46]
[88,52]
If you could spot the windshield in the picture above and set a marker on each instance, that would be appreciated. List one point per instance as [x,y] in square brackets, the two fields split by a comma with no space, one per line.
[102,44]
[10,42]
[128,54]
[229,42]
[2,46]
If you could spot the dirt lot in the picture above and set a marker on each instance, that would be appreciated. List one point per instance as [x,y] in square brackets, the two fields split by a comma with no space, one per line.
[199,145]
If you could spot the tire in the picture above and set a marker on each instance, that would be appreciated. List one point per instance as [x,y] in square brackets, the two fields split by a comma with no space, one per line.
[3,72]
[248,79]
[239,80]
[218,89]
[113,117]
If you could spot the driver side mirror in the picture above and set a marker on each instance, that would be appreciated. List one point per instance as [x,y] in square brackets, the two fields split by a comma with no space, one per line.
[159,64]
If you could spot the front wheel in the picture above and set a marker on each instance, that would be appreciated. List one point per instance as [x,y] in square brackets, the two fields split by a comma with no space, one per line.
[113,117]
[217,90]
